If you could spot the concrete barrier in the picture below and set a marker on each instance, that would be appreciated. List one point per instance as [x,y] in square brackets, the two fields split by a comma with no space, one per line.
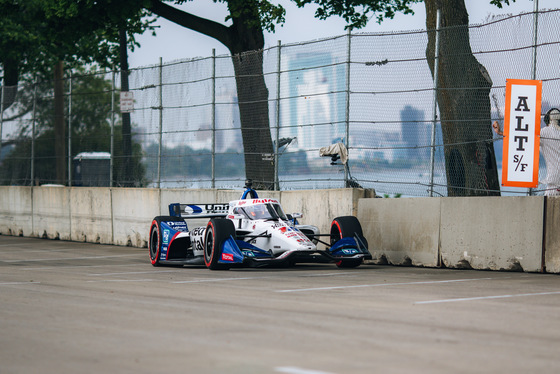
[16,211]
[320,207]
[552,235]
[91,215]
[133,210]
[402,231]
[51,212]
[507,233]
[476,232]
[492,233]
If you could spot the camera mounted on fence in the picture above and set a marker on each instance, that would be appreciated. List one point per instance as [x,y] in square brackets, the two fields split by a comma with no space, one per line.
[336,152]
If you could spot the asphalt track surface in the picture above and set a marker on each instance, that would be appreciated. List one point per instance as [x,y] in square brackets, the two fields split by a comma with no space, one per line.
[69,307]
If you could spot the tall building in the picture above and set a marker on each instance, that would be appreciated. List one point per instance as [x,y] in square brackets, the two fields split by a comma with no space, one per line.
[313,102]
[415,132]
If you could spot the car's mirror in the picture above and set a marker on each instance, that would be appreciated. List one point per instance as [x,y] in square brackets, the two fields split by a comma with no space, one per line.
[297,215]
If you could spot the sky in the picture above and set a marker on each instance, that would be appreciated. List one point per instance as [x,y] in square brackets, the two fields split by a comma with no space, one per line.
[174,42]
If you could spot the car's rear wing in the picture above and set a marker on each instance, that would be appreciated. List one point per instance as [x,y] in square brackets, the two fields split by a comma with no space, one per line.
[198,210]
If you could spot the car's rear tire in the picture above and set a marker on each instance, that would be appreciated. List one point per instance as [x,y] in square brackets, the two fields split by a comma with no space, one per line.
[345,227]
[154,242]
[217,231]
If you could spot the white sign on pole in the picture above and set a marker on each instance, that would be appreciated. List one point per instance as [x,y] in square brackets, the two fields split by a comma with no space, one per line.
[127,101]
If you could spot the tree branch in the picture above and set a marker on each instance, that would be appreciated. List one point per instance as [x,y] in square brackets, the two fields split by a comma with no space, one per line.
[204,26]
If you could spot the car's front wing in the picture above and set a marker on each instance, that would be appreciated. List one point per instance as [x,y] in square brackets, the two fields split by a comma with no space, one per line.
[240,253]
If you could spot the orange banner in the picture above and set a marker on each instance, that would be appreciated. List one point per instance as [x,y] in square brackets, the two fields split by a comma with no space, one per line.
[522,126]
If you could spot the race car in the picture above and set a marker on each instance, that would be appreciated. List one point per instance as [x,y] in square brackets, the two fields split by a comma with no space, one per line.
[251,232]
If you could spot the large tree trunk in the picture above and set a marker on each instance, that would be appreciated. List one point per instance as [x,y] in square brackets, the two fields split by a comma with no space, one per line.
[59,126]
[245,40]
[464,103]
[126,172]
[252,96]
[9,82]
[246,44]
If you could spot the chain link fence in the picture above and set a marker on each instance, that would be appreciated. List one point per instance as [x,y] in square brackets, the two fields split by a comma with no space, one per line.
[214,122]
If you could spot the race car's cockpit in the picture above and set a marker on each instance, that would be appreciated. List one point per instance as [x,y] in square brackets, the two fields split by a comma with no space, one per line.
[261,211]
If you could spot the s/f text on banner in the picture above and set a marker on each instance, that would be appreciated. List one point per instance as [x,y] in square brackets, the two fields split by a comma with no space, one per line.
[522,125]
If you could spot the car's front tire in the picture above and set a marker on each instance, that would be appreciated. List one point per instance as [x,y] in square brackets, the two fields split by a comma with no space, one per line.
[154,242]
[217,231]
[345,227]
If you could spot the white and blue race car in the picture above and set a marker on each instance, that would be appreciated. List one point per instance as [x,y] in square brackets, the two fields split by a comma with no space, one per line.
[251,232]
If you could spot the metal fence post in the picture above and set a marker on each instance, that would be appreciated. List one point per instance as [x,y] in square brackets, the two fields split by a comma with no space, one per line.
[70,131]
[2,96]
[276,155]
[434,112]
[160,121]
[111,160]
[535,37]
[535,40]
[213,118]
[33,122]
[347,119]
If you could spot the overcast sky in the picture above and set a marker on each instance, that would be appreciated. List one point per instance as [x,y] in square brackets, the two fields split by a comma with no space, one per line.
[174,42]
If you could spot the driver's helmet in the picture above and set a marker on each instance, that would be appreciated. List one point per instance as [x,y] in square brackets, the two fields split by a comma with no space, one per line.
[259,211]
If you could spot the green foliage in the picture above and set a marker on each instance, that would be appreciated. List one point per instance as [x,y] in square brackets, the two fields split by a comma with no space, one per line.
[91,132]
[498,3]
[35,34]
[396,196]
[357,13]
[265,15]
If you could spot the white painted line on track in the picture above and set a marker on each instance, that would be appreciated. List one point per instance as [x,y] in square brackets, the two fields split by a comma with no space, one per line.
[296,370]
[219,280]
[132,272]
[67,258]
[328,274]
[120,280]
[16,283]
[27,251]
[485,298]
[74,267]
[382,285]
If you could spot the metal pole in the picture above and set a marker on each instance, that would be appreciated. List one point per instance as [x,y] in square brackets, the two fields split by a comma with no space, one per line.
[347,119]
[70,131]
[213,118]
[33,122]
[111,160]
[535,37]
[276,158]
[160,121]
[2,96]
[434,113]
[535,40]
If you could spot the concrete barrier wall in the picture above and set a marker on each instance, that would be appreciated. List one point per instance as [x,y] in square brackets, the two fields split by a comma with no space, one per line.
[509,233]
[480,233]
[16,211]
[133,210]
[402,231]
[490,233]
[319,207]
[52,212]
[122,216]
[552,235]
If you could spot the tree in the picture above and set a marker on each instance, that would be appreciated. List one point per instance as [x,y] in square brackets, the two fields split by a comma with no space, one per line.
[245,40]
[464,103]
[87,20]
[90,122]
[42,36]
